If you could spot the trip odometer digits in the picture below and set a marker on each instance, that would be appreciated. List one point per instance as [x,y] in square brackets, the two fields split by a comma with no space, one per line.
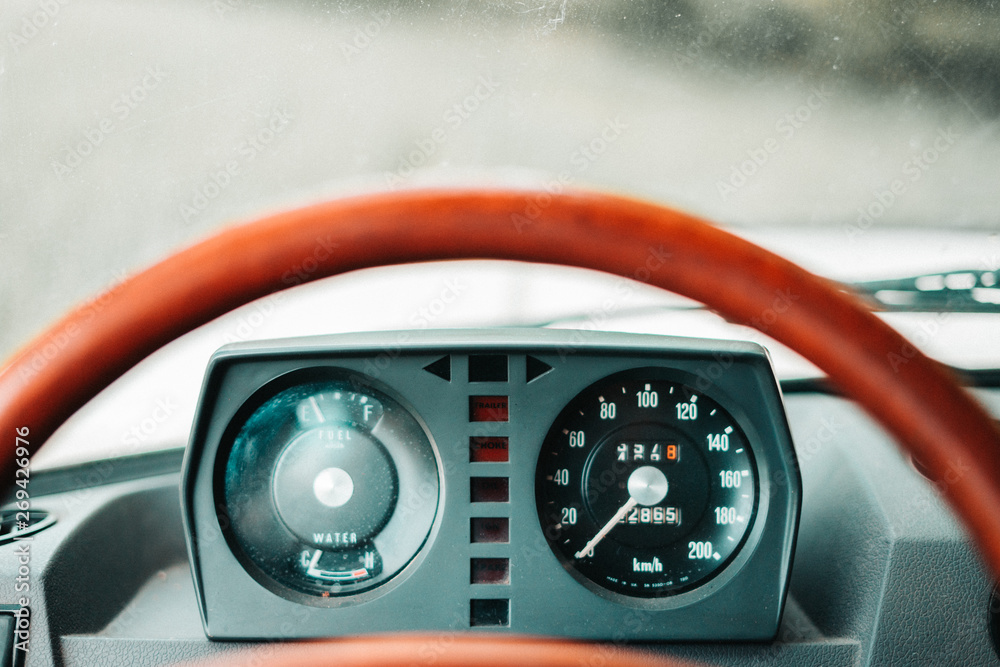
[645,486]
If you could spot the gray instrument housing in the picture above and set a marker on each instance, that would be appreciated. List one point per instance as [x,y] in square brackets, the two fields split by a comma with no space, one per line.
[434,593]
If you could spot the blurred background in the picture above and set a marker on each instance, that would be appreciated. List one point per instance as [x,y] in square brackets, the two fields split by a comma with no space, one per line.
[131,128]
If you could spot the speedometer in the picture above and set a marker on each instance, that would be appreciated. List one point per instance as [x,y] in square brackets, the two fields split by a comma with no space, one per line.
[645,486]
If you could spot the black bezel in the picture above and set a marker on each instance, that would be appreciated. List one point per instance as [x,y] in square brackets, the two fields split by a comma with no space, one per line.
[723,570]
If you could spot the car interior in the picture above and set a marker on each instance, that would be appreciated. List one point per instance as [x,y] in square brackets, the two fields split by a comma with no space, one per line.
[499,333]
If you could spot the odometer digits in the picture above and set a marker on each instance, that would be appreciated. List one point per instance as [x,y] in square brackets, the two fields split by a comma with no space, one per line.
[645,486]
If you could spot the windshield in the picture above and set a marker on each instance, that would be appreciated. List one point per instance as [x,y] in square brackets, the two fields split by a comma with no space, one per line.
[859,138]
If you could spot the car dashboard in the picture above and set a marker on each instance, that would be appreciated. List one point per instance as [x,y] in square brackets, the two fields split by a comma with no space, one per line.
[878,573]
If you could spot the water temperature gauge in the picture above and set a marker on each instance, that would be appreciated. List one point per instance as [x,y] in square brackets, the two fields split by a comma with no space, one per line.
[312,486]
[645,487]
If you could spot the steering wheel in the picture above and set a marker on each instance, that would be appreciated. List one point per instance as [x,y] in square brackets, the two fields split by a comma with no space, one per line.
[914,398]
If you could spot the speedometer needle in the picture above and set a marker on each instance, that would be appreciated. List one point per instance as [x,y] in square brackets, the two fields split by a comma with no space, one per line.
[588,550]
[646,486]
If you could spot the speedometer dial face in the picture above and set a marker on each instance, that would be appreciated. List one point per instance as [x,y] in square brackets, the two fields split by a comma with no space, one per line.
[645,486]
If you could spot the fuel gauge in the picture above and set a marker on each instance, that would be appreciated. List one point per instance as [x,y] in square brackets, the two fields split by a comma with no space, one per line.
[313,481]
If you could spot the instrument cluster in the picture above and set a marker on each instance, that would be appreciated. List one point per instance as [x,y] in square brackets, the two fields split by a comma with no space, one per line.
[608,486]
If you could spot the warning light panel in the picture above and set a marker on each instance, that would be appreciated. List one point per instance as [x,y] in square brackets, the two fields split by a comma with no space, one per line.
[488,449]
[488,409]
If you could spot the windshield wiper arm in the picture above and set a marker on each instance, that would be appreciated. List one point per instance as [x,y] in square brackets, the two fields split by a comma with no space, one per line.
[973,291]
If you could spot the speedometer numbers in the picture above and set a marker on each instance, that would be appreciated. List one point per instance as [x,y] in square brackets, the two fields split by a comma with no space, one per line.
[645,487]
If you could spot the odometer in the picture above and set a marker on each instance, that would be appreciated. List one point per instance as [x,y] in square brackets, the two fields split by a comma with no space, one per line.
[646,486]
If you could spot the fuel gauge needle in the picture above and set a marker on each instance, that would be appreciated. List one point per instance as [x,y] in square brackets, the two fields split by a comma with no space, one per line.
[588,550]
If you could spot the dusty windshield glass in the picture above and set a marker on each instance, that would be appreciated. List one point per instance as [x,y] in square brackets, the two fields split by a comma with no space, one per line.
[131,128]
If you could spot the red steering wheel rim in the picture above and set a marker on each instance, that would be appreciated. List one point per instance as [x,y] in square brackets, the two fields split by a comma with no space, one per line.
[916,399]
[455,650]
